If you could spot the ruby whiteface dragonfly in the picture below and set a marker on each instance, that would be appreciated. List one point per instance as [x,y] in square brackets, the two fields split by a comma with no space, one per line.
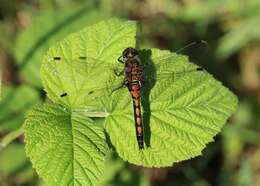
[90,79]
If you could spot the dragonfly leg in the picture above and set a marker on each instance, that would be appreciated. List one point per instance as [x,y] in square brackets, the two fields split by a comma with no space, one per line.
[124,84]
[118,73]
[120,59]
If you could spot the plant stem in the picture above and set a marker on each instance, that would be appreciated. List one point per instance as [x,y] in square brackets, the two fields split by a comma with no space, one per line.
[7,139]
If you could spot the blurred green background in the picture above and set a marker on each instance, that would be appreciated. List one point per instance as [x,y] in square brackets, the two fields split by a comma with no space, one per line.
[232,30]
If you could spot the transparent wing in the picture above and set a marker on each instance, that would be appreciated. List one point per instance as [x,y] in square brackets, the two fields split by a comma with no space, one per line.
[74,80]
[168,67]
[110,75]
[89,65]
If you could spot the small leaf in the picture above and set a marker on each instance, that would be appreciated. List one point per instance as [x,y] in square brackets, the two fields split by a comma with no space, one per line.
[12,158]
[16,101]
[117,173]
[65,147]
[0,85]
[14,162]
[239,36]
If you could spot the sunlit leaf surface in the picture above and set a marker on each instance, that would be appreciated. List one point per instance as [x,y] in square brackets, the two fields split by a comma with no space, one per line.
[65,148]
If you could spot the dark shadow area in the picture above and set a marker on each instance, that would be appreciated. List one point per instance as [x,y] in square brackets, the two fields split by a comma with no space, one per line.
[134,179]
[101,122]
[148,83]
[109,143]
[199,168]
[138,36]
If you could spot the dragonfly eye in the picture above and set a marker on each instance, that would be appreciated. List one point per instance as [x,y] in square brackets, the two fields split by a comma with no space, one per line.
[130,52]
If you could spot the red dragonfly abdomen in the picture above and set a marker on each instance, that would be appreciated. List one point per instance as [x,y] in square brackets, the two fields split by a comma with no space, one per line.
[135,91]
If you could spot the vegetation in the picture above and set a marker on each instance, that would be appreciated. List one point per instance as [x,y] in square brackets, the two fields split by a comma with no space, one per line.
[29,29]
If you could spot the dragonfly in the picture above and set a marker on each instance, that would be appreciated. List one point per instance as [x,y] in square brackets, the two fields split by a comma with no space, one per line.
[138,73]
[133,81]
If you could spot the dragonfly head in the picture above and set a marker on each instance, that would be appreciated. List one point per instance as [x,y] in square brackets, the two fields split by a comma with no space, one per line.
[129,53]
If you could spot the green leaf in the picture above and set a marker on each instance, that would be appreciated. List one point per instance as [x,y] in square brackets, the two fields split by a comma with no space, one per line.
[186,111]
[14,162]
[12,158]
[183,109]
[248,30]
[48,27]
[102,44]
[118,173]
[198,12]
[113,166]
[0,85]
[16,101]
[65,147]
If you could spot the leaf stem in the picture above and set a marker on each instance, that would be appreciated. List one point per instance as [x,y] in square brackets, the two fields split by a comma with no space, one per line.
[7,139]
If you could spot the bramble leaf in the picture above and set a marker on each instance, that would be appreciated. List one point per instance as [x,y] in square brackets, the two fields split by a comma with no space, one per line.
[16,101]
[65,147]
[187,109]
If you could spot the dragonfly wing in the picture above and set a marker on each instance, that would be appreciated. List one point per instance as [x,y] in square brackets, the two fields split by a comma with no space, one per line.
[169,67]
[70,81]
[96,67]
